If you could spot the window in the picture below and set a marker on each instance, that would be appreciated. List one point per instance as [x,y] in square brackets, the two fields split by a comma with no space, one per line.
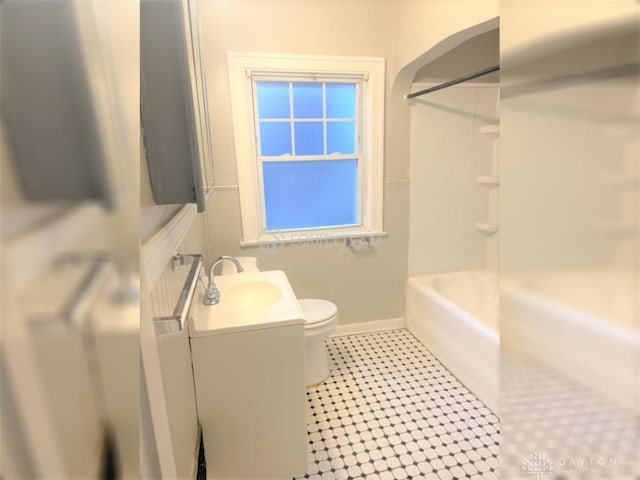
[308,152]
[308,134]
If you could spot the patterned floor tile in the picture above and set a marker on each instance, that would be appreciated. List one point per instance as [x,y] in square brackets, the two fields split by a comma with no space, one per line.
[391,410]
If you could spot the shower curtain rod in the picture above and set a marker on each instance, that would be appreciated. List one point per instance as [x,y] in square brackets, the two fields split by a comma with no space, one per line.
[450,83]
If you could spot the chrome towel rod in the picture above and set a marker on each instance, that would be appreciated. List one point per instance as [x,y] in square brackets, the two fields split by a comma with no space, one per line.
[84,296]
[189,289]
[177,321]
[450,83]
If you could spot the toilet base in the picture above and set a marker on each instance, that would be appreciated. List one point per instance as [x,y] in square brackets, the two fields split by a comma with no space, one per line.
[316,363]
[321,318]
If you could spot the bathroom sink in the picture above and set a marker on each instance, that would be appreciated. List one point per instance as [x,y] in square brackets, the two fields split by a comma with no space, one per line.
[248,300]
[253,295]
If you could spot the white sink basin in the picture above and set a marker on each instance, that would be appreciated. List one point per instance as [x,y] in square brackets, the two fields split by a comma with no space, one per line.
[254,295]
[248,300]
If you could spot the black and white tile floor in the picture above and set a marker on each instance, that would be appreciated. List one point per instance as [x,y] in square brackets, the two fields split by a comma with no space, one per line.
[391,411]
[554,427]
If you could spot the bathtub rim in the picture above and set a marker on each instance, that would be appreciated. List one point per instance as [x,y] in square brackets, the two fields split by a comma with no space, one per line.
[427,287]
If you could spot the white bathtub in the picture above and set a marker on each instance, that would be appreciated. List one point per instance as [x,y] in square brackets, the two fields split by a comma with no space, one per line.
[582,324]
[455,315]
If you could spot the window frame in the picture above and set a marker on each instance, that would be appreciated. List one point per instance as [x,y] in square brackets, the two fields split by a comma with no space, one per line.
[368,72]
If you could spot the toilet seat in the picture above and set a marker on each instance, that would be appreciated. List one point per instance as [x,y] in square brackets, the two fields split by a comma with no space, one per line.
[317,312]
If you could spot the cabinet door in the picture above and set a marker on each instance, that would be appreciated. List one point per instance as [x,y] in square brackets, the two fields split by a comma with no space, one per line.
[251,402]
[173,101]
[194,53]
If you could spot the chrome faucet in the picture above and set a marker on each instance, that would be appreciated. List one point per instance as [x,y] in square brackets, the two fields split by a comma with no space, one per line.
[212,293]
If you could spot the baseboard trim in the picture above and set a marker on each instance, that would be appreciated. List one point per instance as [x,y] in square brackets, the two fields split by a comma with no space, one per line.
[368,327]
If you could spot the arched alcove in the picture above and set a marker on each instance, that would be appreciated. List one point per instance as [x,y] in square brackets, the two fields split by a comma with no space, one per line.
[450,55]
[453,164]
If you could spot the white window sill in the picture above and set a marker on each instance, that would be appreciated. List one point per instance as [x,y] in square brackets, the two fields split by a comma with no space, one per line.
[313,237]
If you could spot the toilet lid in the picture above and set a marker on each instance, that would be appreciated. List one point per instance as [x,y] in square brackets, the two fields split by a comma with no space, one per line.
[315,310]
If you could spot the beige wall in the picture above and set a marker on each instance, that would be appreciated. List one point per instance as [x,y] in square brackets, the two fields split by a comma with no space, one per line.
[331,28]
[527,22]
[420,25]
[366,284]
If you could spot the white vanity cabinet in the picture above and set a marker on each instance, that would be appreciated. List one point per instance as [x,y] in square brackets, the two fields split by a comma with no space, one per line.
[248,365]
[251,401]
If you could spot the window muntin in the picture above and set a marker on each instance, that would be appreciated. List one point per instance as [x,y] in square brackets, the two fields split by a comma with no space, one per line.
[309,152]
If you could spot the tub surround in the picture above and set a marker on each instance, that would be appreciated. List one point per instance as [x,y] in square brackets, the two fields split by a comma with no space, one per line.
[454,163]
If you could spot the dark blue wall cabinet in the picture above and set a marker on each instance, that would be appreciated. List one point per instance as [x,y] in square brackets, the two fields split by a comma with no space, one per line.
[173,98]
[52,124]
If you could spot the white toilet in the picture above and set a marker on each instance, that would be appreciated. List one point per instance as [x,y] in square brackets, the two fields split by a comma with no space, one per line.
[321,318]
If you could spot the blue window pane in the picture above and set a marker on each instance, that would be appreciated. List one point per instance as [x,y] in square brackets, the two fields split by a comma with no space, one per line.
[307,100]
[341,137]
[275,138]
[310,194]
[309,138]
[273,100]
[341,100]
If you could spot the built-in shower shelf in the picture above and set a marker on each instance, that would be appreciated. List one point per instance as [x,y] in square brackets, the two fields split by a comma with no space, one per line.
[486,228]
[489,180]
[492,131]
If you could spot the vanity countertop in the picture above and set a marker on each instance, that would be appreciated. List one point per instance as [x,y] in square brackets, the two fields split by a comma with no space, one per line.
[240,308]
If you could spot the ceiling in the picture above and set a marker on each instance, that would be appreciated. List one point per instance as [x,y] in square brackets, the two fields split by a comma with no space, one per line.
[475,54]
